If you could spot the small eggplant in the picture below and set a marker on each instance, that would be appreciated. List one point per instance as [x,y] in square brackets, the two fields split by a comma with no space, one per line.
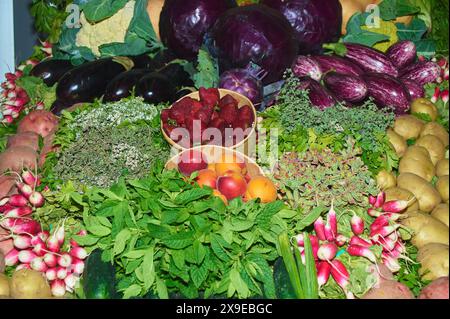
[347,88]
[156,88]
[319,96]
[122,85]
[51,70]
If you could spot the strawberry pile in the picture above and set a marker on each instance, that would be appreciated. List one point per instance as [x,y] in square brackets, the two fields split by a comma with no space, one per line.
[211,120]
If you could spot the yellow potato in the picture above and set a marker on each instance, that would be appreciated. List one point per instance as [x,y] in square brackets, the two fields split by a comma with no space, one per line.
[434,260]
[442,187]
[4,286]
[397,142]
[426,229]
[29,284]
[386,179]
[425,193]
[442,167]
[436,129]
[440,212]
[417,160]
[425,106]
[396,193]
[408,126]
[434,146]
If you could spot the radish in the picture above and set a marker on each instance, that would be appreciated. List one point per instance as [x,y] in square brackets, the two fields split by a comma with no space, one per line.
[35,240]
[357,225]
[65,260]
[30,179]
[43,235]
[372,200]
[26,226]
[332,220]
[341,240]
[60,234]
[71,281]
[50,274]
[51,260]
[4,201]
[53,244]
[58,288]
[82,232]
[387,243]
[24,189]
[319,227]
[444,94]
[298,239]
[323,273]
[40,249]
[327,251]
[373,212]
[390,262]
[38,264]
[73,243]
[355,240]
[341,276]
[22,242]
[37,199]
[18,200]
[435,97]
[381,197]
[395,206]
[12,258]
[383,231]
[329,233]
[23,266]
[361,251]
[5,208]
[78,266]
[26,256]
[380,221]
[314,244]
[19,212]
[61,273]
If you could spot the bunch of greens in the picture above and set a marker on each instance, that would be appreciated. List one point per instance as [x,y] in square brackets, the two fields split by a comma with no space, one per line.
[167,236]
[49,16]
[316,178]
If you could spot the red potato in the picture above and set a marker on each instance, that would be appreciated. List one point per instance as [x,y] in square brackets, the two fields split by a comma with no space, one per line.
[7,184]
[40,122]
[47,148]
[389,289]
[5,245]
[2,262]
[438,289]
[29,139]
[18,158]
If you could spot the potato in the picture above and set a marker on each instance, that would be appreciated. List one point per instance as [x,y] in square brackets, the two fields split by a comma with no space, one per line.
[436,129]
[29,284]
[442,167]
[386,179]
[417,160]
[389,289]
[40,122]
[441,213]
[29,139]
[426,229]
[438,289]
[17,158]
[434,146]
[397,193]
[408,126]
[442,187]
[425,106]
[2,262]
[434,259]
[4,286]
[7,183]
[427,196]
[398,142]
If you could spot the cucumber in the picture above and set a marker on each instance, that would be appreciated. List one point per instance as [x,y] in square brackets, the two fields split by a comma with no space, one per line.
[283,286]
[99,278]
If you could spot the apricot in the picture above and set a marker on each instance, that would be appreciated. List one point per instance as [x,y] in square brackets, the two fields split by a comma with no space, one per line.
[207,177]
[263,188]
[230,163]
[221,196]
[232,185]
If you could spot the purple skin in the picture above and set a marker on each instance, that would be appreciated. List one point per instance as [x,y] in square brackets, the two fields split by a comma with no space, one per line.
[242,82]
[346,88]
[338,64]
[422,72]
[306,66]
[319,96]
[415,90]
[402,54]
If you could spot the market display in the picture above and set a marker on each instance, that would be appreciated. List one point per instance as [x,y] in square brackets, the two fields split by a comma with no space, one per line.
[228,149]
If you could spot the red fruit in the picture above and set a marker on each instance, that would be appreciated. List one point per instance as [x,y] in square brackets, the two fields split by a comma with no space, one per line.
[165,115]
[207,177]
[209,97]
[240,124]
[203,117]
[177,115]
[215,115]
[195,107]
[232,185]
[192,161]
[217,123]
[168,128]
[246,113]
[228,99]
[228,113]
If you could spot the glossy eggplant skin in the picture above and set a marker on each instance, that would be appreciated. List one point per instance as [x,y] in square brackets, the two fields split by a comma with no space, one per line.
[388,91]
[88,81]
[177,75]
[422,72]
[306,66]
[415,90]
[369,59]
[348,88]
[319,96]
[402,53]
[161,59]
[58,106]
[156,88]
[338,64]
[122,85]
[51,70]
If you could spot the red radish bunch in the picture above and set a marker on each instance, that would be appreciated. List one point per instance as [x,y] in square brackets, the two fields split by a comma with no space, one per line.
[210,120]
[439,92]
[13,99]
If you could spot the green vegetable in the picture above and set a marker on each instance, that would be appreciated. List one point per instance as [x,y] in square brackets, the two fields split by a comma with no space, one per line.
[206,71]
[99,278]
[49,16]
[283,285]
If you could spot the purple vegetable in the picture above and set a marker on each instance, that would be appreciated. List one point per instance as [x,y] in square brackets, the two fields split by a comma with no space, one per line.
[347,88]
[402,54]
[338,64]
[415,90]
[258,34]
[421,72]
[319,96]
[183,24]
[306,66]
[243,82]
[51,70]
[388,91]
[122,85]
[315,22]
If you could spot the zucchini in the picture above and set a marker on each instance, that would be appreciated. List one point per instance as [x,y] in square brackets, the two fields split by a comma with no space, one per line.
[99,278]
[283,286]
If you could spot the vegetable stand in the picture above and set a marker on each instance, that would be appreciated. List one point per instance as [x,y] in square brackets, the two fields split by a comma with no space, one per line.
[207,149]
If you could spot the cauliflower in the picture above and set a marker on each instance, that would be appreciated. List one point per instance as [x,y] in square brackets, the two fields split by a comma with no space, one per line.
[111,30]
[387,28]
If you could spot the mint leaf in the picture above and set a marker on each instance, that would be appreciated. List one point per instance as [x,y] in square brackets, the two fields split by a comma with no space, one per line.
[179,240]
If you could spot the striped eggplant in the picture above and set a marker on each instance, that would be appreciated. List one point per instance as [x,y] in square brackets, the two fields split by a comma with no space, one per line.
[370,60]
[319,96]
[415,90]
[402,53]
[347,88]
[388,91]
[421,72]
[338,64]
[306,66]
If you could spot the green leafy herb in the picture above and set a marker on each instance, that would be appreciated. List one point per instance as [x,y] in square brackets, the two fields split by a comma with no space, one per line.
[207,71]
[49,16]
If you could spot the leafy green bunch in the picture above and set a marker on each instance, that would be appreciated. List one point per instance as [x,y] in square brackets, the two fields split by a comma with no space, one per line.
[49,16]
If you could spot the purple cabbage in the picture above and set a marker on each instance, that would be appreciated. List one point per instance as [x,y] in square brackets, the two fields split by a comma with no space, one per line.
[243,82]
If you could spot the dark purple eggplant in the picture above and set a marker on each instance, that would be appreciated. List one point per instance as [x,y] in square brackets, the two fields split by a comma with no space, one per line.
[348,88]
[388,91]
[161,59]
[177,75]
[122,85]
[89,81]
[421,72]
[156,88]
[369,59]
[52,70]
[415,90]
[58,106]
[319,96]
[306,66]
[402,54]
[338,64]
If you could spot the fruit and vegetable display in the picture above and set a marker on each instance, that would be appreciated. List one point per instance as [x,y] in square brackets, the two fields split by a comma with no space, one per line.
[214,149]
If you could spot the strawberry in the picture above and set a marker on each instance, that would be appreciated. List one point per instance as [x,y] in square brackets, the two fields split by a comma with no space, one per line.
[203,117]
[229,113]
[209,97]
[195,107]
[168,128]
[228,99]
[165,115]
[218,123]
[177,115]
[246,113]
[215,115]
[241,123]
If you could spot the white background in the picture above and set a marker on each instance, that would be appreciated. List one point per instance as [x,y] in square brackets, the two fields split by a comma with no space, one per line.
[7,57]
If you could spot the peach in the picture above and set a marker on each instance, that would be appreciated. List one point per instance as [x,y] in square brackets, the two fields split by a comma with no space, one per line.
[207,177]
[221,196]
[232,185]
[263,188]
[191,161]
[230,163]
